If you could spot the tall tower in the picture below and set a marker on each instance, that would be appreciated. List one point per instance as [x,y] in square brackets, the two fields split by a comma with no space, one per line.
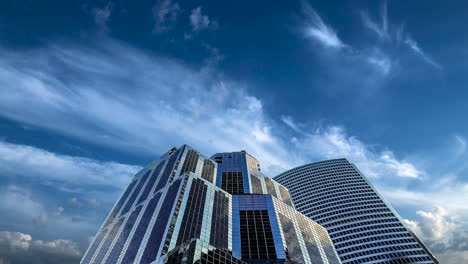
[187,208]
[363,226]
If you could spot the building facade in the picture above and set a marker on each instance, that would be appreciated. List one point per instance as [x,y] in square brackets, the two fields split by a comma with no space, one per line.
[187,208]
[363,226]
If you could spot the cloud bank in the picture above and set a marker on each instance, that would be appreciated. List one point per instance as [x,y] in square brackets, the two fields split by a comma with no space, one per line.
[19,248]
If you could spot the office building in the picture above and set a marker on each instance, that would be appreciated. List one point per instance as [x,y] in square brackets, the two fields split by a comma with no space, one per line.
[187,208]
[363,226]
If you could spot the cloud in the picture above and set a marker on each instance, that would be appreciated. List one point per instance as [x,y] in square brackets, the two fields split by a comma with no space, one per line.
[414,46]
[461,145]
[101,17]
[443,232]
[380,29]
[205,109]
[27,161]
[165,14]
[20,203]
[333,142]
[432,225]
[94,202]
[381,62]
[317,30]
[200,22]
[288,120]
[19,248]
[394,34]
[74,201]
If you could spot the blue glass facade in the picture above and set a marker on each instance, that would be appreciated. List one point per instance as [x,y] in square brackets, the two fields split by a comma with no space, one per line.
[363,226]
[187,208]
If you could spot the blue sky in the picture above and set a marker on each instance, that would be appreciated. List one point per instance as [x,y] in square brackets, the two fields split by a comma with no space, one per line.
[91,91]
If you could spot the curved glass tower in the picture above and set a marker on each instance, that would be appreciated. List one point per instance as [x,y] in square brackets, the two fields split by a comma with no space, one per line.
[363,226]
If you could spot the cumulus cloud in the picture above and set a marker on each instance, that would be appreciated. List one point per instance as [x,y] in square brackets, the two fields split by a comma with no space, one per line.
[444,234]
[19,248]
[317,30]
[434,225]
[200,22]
[165,14]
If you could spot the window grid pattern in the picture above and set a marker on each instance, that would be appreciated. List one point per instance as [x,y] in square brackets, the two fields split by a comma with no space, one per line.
[270,186]
[120,203]
[233,182]
[151,182]
[136,192]
[167,171]
[219,236]
[191,160]
[156,235]
[322,191]
[256,235]
[193,216]
[135,242]
[208,170]
[123,236]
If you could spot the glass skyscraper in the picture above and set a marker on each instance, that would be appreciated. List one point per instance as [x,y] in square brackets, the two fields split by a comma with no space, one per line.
[187,208]
[363,226]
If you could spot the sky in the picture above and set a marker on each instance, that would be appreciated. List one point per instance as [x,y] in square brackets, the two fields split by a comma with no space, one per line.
[92,91]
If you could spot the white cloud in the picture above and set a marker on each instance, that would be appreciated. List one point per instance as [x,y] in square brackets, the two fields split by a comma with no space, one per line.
[19,200]
[443,232]
[434,225]
[200,22]
[318,30]
[27,161]
[461,145]
[20,248]
[333,142]
[165,15]
[288,120]
[381,30]
[449,194]
[167,99]
[381,62]
[414,46]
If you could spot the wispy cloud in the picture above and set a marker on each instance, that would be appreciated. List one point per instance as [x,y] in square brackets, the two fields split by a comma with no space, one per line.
[333,142]
[20,160]
[101,17]
[461,145]
[317,30]
[288,120]
[414,46]
[176,103]
[155,109]
[165,14]
[380,29]
[394,34]
[380,62]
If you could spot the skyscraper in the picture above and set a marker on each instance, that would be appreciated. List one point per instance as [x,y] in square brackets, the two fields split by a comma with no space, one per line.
[363,226]
[187,208]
